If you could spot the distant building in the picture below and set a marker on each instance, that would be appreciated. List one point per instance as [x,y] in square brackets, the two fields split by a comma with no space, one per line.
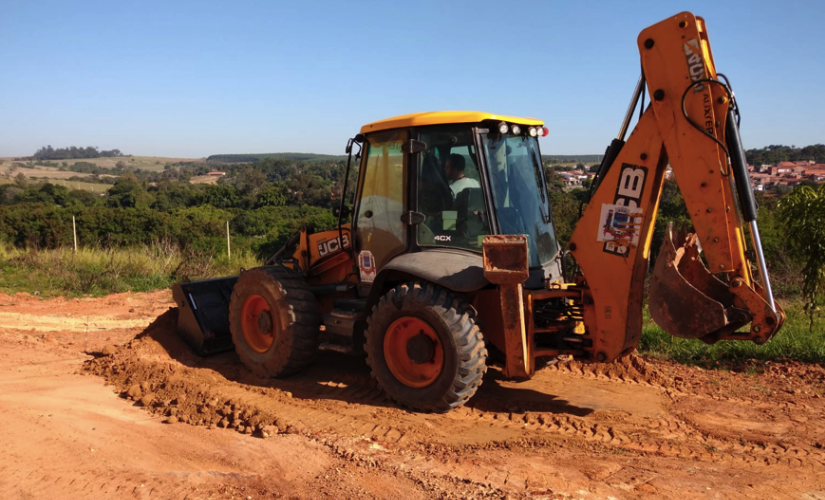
[216,172]
[785,174]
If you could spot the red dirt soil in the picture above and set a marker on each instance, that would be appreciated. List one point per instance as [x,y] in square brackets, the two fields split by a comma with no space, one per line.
[96,395]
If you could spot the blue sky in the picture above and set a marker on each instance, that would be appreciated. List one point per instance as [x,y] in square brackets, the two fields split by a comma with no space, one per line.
[191,79]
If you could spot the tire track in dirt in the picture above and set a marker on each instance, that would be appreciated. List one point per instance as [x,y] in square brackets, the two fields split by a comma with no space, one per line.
[338,403]
[687,436]
[667,436]
[635,428]
[36,419]
[65,436]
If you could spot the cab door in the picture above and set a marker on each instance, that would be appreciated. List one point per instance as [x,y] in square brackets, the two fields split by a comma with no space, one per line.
[379,231]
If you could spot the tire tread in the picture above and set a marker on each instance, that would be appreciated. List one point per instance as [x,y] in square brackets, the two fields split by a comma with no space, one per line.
[460,317]
[301,335]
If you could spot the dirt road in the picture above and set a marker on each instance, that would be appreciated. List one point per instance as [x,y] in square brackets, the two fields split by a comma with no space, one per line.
[76,425]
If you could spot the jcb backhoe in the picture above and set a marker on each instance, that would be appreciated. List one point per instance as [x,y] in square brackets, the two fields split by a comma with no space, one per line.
[451,255]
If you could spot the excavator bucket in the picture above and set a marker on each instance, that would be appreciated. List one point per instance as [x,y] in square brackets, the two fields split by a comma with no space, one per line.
[686,300]
[203,314]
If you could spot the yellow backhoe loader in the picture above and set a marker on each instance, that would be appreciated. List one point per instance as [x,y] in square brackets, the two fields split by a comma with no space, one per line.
[451,254]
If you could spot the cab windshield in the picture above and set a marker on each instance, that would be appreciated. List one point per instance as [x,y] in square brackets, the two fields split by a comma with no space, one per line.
[519,194]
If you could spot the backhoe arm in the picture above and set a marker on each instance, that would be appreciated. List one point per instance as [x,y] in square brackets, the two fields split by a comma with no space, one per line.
[691,125]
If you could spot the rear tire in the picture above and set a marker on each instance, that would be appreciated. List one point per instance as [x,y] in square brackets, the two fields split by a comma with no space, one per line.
[274,320]
[403,360]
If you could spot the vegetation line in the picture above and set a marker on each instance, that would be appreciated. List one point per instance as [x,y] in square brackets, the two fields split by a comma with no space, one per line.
[154,226]
[99,271]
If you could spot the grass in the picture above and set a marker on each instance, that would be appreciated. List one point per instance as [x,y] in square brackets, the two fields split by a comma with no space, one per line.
[82,186]
[153,163]
[795,340]
[101,271]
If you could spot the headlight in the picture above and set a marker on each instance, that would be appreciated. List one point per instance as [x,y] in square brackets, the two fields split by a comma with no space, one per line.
[515,129]
[502,128]
[533,131]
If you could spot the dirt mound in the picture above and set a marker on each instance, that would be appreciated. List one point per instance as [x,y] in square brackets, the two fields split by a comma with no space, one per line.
[7,299]
[805,372]
[632,368]
[337,397]
[633,428]
[158,371]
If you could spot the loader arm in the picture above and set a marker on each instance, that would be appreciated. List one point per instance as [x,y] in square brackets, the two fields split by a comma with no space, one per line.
[611,242]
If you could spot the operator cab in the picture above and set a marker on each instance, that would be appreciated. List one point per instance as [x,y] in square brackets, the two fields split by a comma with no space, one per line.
[458,176]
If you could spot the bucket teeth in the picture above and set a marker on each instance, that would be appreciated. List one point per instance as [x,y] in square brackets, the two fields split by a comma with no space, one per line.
[686,300]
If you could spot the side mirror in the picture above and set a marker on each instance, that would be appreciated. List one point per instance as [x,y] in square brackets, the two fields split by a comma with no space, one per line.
[359,138]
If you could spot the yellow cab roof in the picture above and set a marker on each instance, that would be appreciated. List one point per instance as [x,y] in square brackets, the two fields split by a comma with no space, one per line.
[441,118]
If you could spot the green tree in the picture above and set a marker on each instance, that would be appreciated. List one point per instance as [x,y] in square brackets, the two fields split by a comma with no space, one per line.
[128,192]
[77,197]
[220,196]
[565,215]
[249,181]
[553,180]
[803,212]
[271,196]
[20,180]
[47,193]
[581,195]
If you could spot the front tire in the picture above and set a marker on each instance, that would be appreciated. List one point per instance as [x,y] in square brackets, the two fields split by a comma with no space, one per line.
[424,347]
[274,320]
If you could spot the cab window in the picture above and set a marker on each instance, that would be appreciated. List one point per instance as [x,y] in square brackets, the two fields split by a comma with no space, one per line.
[449,189]
[381,233]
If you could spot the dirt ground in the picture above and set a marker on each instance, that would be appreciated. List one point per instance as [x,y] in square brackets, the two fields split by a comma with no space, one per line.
[100,399]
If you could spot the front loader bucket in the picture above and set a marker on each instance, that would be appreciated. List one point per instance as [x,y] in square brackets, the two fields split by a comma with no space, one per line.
[203,314]
[686,300]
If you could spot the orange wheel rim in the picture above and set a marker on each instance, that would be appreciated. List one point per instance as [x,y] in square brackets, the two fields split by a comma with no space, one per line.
[257,323]
[413,352]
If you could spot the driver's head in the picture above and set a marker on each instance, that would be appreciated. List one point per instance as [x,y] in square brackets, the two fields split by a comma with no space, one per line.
[454,167]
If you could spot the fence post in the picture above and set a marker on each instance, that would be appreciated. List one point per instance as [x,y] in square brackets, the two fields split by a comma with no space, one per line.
[228,249]
[74,233]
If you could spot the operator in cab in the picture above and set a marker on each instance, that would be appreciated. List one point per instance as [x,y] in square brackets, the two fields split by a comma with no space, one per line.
[454,168]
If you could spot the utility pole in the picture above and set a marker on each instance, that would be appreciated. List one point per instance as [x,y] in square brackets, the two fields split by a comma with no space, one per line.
[228,249]
[74,232]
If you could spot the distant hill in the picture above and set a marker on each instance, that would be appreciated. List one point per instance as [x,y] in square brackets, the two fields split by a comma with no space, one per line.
[246,158]
[311,157]
[771,155]
[571,158]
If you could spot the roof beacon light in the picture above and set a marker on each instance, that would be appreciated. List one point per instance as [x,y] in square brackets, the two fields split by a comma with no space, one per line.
[515,129]
[533,131]
[503,128]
